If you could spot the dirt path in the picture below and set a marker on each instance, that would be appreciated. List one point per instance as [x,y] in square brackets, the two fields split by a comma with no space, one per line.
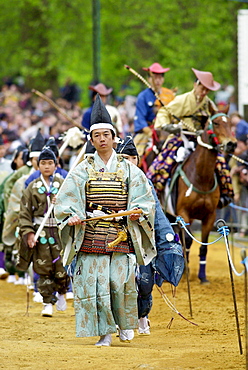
[35,342]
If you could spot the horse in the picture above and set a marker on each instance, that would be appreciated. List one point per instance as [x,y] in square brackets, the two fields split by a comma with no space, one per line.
[197,190]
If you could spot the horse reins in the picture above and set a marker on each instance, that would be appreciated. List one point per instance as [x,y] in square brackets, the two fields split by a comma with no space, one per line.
[216,141]
[210,129]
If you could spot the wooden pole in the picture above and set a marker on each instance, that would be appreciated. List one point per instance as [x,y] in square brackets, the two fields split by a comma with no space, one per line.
[219,224]
[96,40]
[244,258]
[182,232]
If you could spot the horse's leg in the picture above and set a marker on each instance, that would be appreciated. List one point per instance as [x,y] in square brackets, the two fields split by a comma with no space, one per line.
[203,260]
[206,228]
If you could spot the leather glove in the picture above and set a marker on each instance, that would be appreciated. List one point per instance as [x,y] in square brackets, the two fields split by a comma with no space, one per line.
[172,128]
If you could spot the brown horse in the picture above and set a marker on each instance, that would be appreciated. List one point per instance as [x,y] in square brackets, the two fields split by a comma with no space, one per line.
[198,192]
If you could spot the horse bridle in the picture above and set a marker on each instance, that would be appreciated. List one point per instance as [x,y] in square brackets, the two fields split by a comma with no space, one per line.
[213,140]
[215,145]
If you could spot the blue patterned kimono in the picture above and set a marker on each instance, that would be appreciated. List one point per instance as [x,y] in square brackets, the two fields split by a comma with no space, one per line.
[104,285]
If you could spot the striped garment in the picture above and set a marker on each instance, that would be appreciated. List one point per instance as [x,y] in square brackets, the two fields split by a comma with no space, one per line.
[107,190]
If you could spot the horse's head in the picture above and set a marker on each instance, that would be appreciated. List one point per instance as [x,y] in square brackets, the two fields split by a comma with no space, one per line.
[219,131]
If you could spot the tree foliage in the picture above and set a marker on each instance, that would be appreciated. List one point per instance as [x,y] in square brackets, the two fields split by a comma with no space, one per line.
[48,41]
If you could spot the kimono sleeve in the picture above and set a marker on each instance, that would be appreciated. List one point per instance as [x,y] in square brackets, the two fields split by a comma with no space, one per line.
[26,213]
[71,199]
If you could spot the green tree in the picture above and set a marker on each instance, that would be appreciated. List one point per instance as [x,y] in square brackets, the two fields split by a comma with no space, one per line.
[49,41]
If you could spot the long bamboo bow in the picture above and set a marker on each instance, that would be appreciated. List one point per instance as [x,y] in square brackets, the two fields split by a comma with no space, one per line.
[54,105]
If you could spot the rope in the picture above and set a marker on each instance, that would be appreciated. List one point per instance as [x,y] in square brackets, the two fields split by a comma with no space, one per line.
[179,219]
[238,207]
[224,231]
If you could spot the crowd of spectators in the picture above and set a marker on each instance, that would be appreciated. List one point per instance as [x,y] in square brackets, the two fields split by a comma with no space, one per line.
[22,113]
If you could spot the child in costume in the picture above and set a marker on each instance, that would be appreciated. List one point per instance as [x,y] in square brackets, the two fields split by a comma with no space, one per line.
[45,253]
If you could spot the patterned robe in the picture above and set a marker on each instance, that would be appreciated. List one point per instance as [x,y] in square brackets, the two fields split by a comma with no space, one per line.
[104,284]
[45,255]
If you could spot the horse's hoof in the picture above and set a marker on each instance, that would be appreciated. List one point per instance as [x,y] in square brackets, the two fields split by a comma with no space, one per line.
[204,281]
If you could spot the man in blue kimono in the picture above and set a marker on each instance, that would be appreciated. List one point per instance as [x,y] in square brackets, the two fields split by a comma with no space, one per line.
[106,249]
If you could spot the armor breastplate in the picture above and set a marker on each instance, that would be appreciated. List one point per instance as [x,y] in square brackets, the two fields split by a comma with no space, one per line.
[106,189]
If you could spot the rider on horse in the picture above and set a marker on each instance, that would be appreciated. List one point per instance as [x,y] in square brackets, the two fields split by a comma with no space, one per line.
[193,108]
[147,106]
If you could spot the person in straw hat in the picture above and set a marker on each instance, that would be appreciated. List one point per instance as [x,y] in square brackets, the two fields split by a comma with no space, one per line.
[147,106]
[104,93]
[194,108]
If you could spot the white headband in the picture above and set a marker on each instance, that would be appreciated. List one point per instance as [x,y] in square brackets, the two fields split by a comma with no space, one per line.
[96,126]
[34,154]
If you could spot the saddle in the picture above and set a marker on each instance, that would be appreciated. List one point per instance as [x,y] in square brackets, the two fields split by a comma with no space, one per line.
[171,188]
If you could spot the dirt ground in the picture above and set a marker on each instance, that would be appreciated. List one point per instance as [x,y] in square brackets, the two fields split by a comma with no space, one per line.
[36,342]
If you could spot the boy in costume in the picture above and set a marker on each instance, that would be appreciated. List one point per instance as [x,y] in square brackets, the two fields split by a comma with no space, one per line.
[45,253]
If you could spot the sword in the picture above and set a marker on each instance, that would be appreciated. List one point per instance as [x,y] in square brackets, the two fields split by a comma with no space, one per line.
[122,236]
[100,208]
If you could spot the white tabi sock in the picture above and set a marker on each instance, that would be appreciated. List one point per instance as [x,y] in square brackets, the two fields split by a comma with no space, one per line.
[105,340]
